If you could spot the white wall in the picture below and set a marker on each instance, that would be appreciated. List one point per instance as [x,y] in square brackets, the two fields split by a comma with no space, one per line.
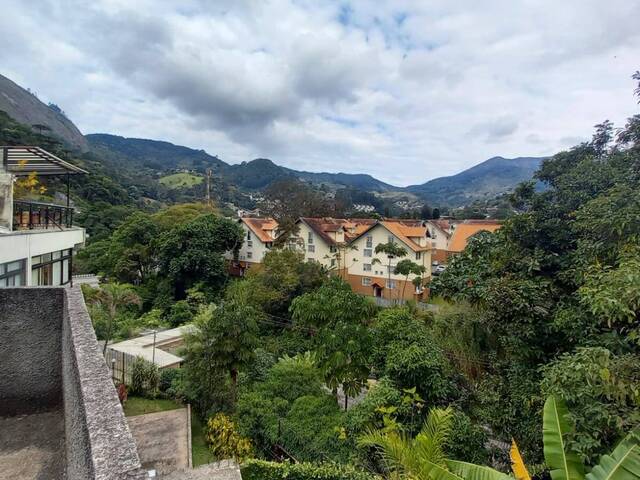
[379,235]
[258,249]
[322,249]
[26,244]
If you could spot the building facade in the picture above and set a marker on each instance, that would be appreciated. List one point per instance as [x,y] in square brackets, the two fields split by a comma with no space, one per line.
[37,240]
[259,235]
[371,273]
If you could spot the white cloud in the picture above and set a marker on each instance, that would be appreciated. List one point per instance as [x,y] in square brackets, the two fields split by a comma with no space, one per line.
[403,90]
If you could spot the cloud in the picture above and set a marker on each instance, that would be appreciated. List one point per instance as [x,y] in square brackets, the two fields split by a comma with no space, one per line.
[403,90]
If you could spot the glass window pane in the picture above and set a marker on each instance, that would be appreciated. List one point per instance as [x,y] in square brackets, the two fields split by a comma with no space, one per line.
[56,255]
[35,260]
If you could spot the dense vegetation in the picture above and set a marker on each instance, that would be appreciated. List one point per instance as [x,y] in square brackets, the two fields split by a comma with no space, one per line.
[539,321]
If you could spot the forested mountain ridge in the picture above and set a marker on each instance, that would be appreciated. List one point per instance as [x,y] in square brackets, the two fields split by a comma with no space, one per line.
[486,180]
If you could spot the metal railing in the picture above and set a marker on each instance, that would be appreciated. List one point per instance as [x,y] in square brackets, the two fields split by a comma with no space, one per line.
[34,215]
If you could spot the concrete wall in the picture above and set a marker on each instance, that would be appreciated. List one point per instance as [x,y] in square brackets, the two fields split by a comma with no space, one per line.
[30,340]
[50,357]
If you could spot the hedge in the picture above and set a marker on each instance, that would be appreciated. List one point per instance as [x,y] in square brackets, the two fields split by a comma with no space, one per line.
[263,470]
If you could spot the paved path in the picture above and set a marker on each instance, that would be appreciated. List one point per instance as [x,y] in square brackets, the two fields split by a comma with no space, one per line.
[162,439]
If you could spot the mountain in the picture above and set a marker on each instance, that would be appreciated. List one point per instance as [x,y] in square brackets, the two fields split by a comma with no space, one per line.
[254,175]
[24,107]
[485,180]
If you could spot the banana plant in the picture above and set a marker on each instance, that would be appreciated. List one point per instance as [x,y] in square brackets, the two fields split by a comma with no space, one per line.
[622,464]
[423,458]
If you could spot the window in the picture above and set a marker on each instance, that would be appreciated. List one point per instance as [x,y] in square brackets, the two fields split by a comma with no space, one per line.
[310,237]
[248,235]
[268,245]
[51,268]
[333,262]
[391,239]
[391,284]
[369,241]
[249,255]
[366,267]
[249,243]
[332,249]
[368,252]
[418,255]
[311,248]
[366,281]
[12,274]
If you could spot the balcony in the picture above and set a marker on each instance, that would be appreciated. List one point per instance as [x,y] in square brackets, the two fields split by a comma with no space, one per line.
[59,412]
[33,215]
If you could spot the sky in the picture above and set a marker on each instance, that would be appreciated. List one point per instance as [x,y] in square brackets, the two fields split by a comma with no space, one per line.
[403,90]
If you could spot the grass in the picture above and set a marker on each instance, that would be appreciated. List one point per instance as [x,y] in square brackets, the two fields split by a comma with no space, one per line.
[199,449]
[181,180]
[139,406]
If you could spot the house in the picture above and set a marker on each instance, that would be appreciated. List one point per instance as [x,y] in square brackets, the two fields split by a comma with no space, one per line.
[37,240]
[327,240]
[259,234]
[370,273]
[440,232]
[461,232]
[159,348]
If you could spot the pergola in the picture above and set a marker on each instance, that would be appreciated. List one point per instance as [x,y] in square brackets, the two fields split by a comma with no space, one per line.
[23,161]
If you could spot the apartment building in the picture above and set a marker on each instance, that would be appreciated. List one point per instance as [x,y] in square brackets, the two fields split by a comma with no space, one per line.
[37,240]
[327,240]
[371,273]
[449,237]
[259,235]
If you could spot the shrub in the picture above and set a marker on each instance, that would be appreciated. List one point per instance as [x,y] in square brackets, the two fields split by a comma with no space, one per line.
[167,376]
[144,377]
[467,440]
[262,470]
[223,439]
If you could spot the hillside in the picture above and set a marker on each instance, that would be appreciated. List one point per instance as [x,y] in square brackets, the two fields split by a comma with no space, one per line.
[24,107]
[486,180]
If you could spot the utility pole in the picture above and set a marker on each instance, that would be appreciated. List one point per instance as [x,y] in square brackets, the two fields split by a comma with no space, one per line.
[209,186]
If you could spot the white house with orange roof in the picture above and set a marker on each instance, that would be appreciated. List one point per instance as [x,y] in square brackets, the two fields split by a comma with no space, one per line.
[259,235]
[369,273]
[327,240]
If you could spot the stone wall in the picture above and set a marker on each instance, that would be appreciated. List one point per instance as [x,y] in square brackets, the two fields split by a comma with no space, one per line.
[50,357]
[30,339]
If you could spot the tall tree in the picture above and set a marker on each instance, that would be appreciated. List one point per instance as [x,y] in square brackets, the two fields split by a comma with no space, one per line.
[392,250]
[112,298]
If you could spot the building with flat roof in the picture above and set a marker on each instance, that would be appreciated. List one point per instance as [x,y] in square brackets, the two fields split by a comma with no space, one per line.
[37,240]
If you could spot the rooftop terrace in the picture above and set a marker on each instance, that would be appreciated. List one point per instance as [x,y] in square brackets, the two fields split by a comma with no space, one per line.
[59,412]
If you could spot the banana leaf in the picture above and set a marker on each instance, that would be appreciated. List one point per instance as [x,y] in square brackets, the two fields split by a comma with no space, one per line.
[564,464]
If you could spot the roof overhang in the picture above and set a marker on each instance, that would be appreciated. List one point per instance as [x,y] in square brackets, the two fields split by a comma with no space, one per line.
[23,161]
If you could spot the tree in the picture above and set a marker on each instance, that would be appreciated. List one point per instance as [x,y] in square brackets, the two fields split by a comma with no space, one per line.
[426,212]
[406,267]
[422,457]
[436,213]
[133,248]
[288,199]
[338,318]
[225,338]
[193,253]
[392,250]
[111,298]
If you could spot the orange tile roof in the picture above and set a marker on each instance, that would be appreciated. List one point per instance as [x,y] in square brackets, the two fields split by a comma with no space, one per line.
[260,227]
[463,231]
[405,229]
[328,224]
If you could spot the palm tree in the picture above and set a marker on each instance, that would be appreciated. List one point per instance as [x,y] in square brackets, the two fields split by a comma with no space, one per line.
[392,250]
[422,458]
[406,267]
[111,298]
